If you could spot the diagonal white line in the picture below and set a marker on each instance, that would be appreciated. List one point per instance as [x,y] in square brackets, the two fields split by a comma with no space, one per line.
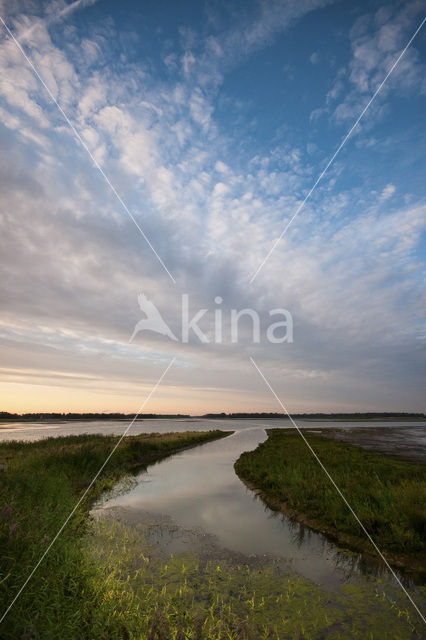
[339,148]
[154,388]
[86,148]
[339,492]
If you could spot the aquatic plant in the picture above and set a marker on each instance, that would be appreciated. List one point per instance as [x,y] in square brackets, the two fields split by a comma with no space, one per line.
[187,596]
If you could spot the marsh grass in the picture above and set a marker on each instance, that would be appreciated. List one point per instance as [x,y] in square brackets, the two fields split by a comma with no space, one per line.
[388,495]
[104,581]
[40,483]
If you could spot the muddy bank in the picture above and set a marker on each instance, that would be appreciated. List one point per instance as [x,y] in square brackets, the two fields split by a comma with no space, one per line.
[399,442]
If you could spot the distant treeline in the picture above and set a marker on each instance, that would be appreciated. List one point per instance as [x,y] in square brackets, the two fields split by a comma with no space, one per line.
[35,417]
[320,416]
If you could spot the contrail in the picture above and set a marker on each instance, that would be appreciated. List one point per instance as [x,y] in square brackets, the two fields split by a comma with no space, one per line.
[56,17]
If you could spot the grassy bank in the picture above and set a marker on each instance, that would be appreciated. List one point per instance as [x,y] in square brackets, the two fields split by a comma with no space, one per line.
[388,495]
[40,484]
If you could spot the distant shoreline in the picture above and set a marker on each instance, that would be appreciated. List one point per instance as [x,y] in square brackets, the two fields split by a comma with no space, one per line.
[6,417]
[73,417]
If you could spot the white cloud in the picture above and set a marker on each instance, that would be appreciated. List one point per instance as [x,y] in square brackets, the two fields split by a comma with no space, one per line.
[221,167]
[188,61]
[94,97]
[376,42]
[387,192]
[201,109]
[75,263]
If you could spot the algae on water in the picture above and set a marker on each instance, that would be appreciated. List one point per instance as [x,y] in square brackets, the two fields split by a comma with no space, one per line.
[211,594]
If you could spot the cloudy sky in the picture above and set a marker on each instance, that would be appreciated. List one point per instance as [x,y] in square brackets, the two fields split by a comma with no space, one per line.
[201,127]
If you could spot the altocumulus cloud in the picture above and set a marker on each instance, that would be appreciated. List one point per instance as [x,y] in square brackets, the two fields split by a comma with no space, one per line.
[182,142]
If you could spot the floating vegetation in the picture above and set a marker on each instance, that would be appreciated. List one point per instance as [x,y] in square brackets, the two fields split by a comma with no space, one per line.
[213,594]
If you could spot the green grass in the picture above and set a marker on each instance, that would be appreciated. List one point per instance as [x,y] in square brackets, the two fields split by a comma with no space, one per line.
[40,483]
[388,495]
[102,580]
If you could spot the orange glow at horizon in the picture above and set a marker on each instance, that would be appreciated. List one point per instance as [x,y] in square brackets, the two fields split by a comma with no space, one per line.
[45,398]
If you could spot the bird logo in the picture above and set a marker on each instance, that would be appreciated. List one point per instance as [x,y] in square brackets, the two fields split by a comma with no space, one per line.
[153,321]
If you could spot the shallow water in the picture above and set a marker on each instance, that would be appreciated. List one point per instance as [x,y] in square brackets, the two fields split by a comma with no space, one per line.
[183,579]
[199,491]
[406,435]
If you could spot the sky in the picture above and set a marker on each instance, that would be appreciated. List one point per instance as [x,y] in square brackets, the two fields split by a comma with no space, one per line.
[161,148]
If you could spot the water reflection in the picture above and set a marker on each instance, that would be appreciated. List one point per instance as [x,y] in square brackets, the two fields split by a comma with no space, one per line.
[199,490]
